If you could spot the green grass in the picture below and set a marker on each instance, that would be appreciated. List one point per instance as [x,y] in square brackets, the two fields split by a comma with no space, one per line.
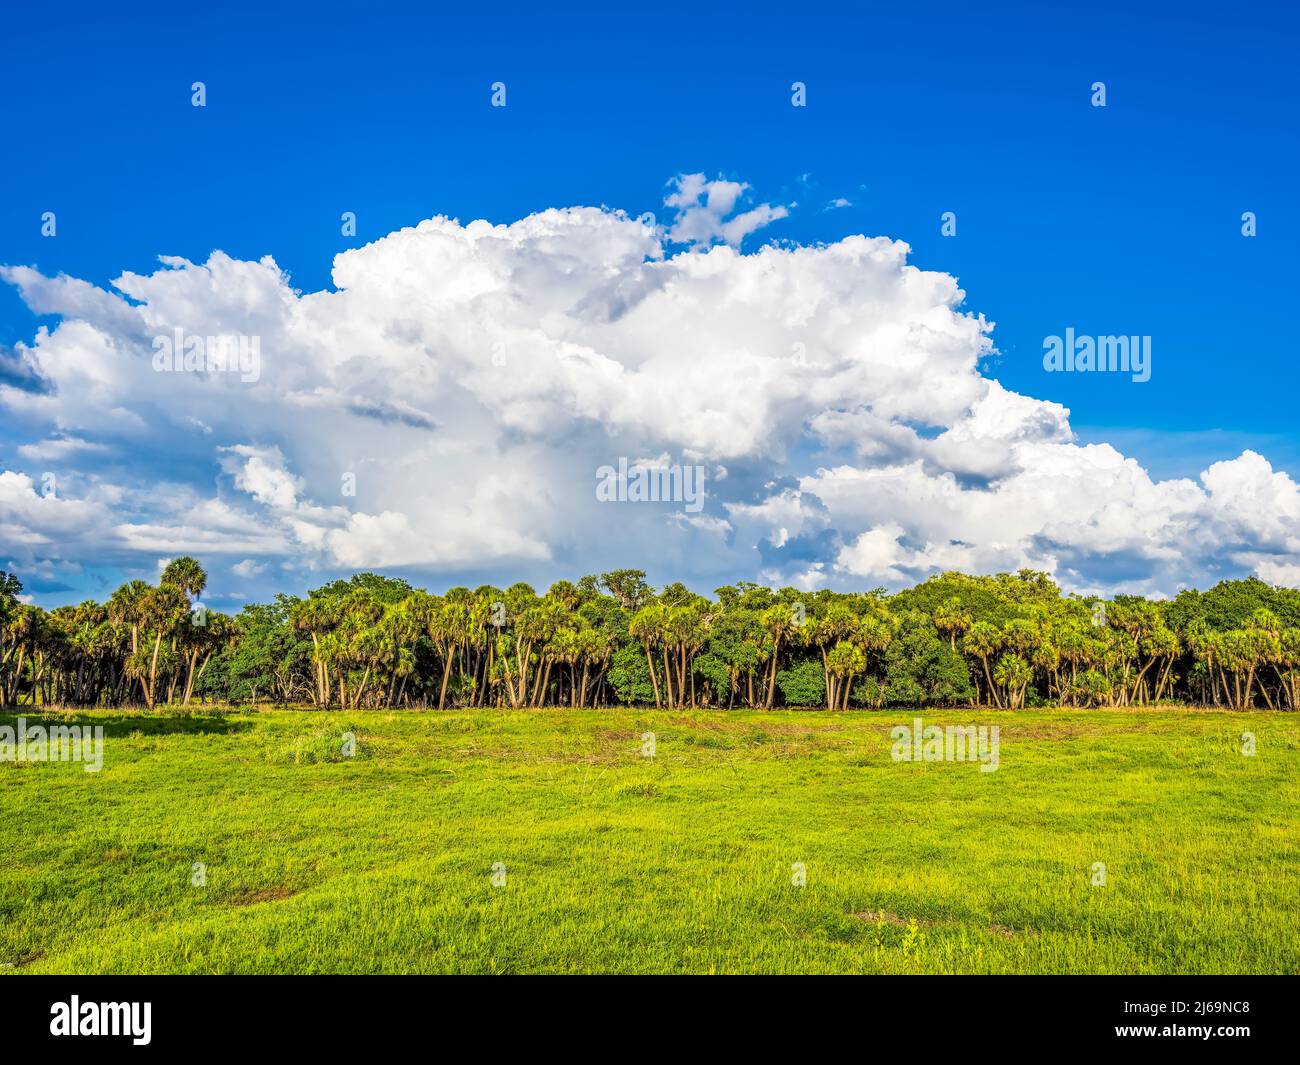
[615,863]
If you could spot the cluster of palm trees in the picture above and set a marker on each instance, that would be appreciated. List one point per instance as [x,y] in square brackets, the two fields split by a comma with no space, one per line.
[1007,641]
[148,644]
[1260,660]
[1122,657]
[369,639]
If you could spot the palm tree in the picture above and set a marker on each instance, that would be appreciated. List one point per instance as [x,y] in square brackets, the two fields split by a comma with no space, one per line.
[954,619]
[161,610]
[594,648]
[361,642]
[845,661]
[824,633]
[1013,674]
[1263,632]
[1161,644]
[317,615]
[1047,658]
[125,609]
[1206,646]
[445,627]
[1288,665]
[186,574]
[218,631]
[647,626]
[984,641]
[1237,652]
[777,621]
[872,636]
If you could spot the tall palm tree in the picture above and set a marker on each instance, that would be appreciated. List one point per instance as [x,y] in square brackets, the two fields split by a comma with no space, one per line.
[953,619]
[186,574]
[647,626]
[161,610]
[125,609]
[777,621]
[984,640]
[845,660]
[824,633]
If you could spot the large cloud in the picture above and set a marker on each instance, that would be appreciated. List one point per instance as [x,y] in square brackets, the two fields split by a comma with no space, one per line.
[445,409]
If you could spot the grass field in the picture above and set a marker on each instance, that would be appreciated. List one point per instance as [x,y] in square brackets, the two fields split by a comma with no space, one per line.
[383,862]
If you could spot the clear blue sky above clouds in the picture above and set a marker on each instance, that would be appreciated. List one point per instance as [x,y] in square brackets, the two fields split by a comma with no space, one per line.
[1120,220]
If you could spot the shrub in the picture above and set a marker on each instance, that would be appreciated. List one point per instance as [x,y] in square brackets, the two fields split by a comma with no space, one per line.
[804,684]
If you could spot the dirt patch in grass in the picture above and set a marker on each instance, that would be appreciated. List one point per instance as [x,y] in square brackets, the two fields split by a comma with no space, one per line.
[1052,732]
[719,722]
[647,790]
[884,917]
[1009,933]
[23,959]
[778,728]
[252,896]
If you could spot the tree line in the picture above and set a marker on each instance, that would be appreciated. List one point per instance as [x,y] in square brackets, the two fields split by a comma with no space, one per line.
[1008,641]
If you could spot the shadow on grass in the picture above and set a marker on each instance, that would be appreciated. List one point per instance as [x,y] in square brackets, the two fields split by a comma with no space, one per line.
[145,724]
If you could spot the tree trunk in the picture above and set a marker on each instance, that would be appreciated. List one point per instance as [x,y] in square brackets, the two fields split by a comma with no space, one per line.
[649,661]
[993,691]
[826,672]
[771,680]
[153,668]
[189,677]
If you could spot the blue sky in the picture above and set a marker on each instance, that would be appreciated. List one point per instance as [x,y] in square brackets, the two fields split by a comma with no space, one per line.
[1122,219]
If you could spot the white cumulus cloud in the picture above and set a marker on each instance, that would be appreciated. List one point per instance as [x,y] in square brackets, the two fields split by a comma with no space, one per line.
[444,410]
